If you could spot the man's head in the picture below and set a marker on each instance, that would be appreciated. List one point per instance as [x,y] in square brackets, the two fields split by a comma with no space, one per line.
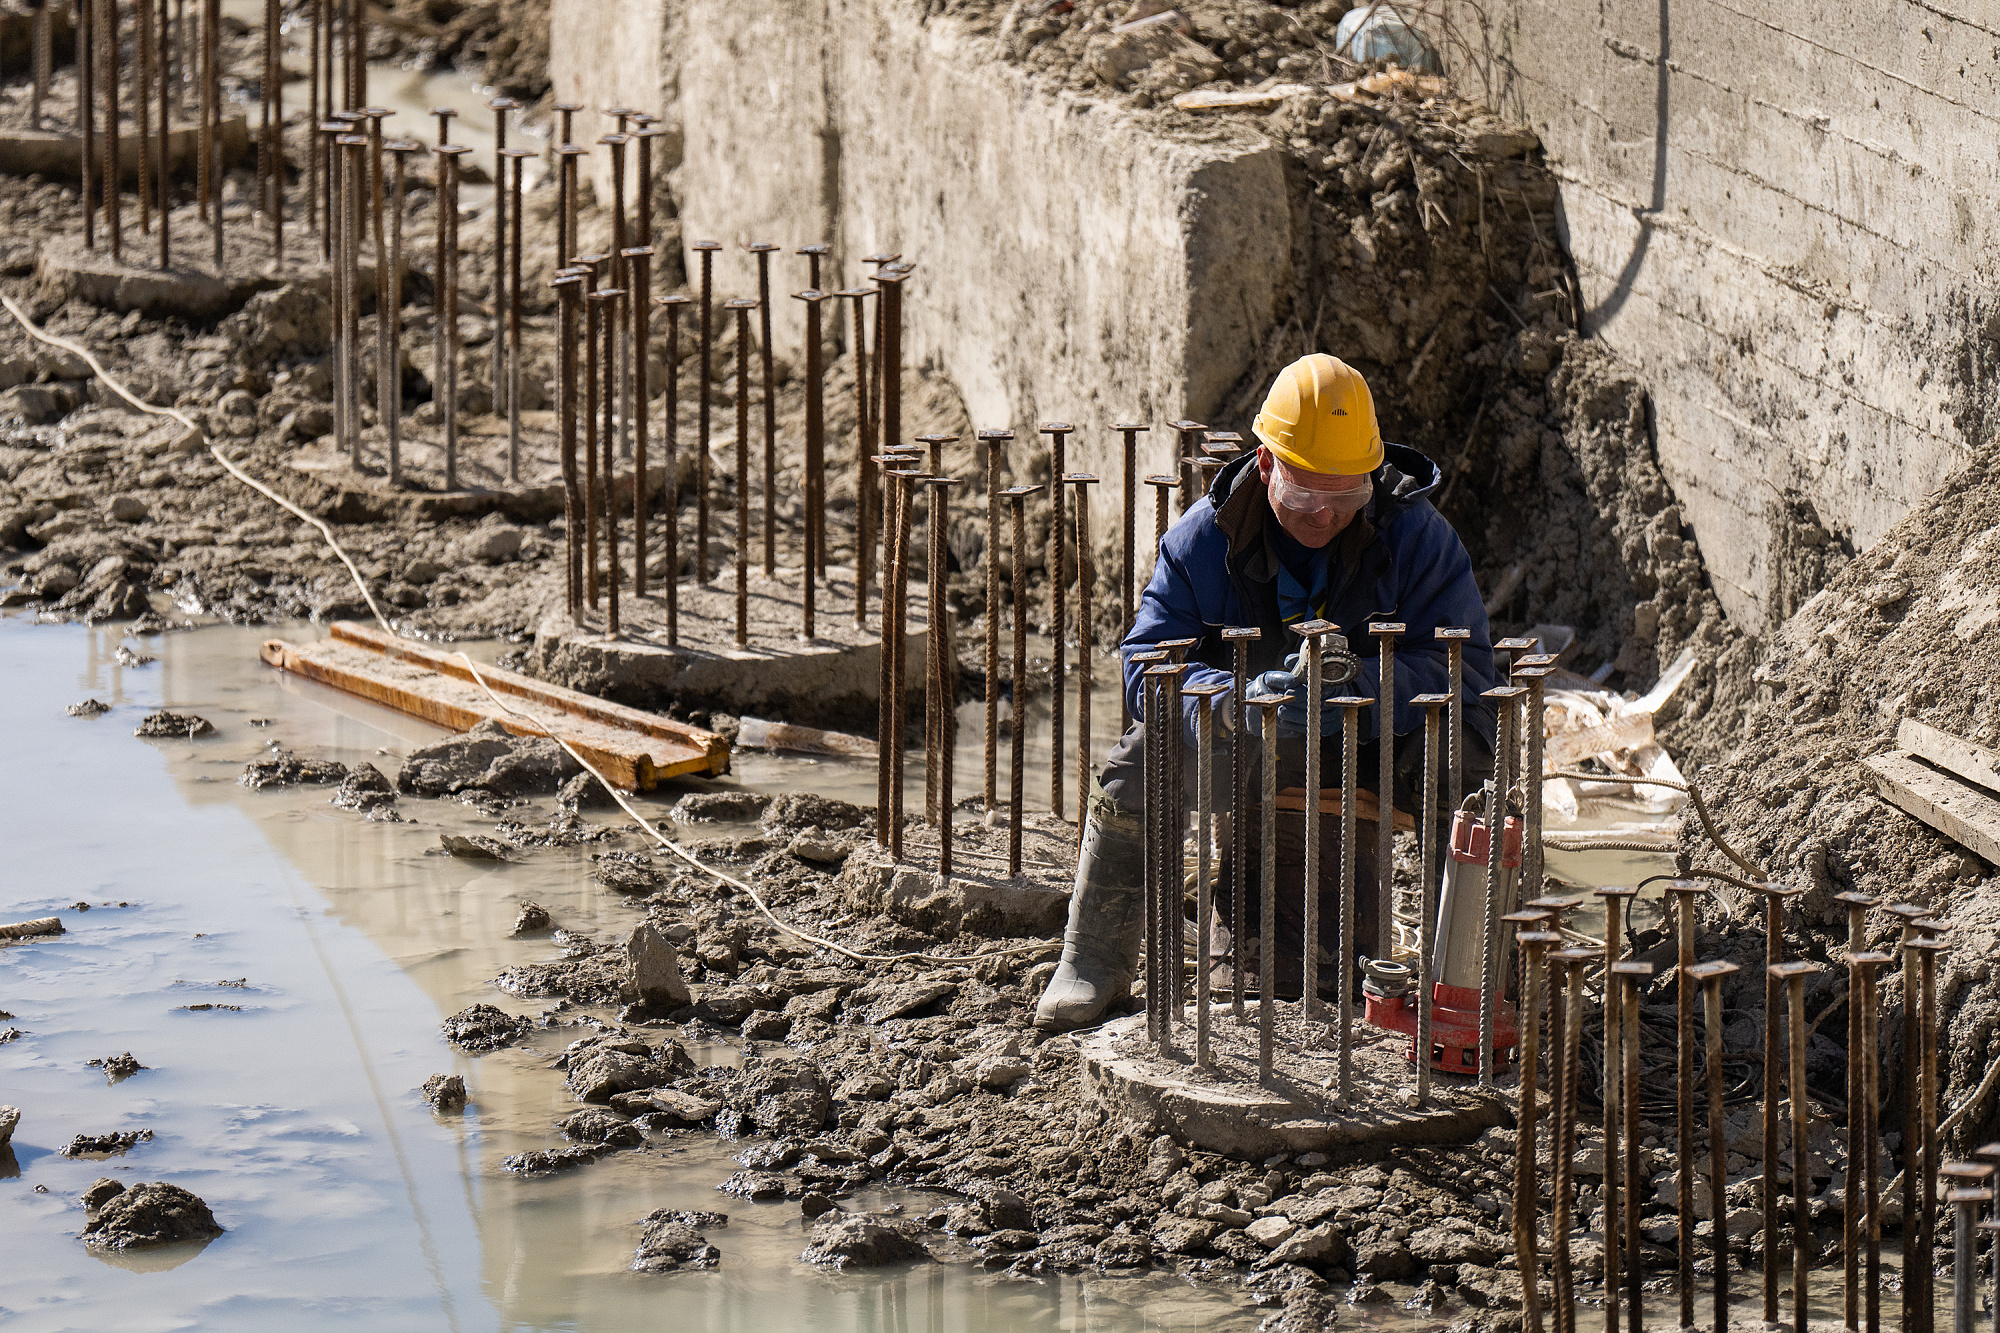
[1319,443]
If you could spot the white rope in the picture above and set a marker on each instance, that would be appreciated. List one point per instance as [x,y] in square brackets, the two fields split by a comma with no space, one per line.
[98,368]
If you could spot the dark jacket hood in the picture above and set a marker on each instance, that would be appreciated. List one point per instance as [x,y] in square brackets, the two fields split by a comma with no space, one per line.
[1237,494]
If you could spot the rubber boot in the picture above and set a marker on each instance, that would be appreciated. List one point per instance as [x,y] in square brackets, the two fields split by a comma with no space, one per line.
[1107,918]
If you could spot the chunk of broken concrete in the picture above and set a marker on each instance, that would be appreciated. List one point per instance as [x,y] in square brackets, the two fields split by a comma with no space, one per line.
[128,509]
[88,708]
[445,1092]
[654,977]
[595,1124]
[533,917]
[173,726]
[364,788]
[282,768]
[487,758]
[10,1116]
[102,1191]
[667,1244]
[481,1027]
[864,1240]
[476,847]
[154,1213]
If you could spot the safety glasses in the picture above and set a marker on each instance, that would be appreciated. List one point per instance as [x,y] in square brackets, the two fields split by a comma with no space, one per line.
[1349,496]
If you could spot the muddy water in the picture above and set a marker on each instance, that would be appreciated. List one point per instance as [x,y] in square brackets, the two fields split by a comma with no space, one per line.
[340,944]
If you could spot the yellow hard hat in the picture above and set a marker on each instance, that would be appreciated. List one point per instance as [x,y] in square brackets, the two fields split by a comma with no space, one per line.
[1320,416]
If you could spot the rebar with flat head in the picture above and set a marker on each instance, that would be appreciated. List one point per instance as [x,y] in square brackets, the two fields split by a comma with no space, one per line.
[899,571]
[1504,698]
[1427,860]
[995,441]
[1566,968]
[1017,496]
[763,251]
[865,501]
[1627,976]
[1454,641]
[1869,1132]
[1793,977]
[1129,498]
[1058,433]
[1311,634]
[448,336]
[569,289]
[593,386]
[814,479]
[1386,634]
[1926,951]
[1186,437]
[742,305]
[943,675]
[1615,897]
[1239,640]
[612,300]
[1709,977]
[639,272]
[503,294]
[706,249]
[671,418]
[1204,764]
[1350,776]
[1850,1213]
[1534,945]
[1086,673]
[1684,893]
[1267,887]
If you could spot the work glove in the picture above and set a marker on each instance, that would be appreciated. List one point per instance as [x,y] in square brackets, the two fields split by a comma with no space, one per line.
[1337,667]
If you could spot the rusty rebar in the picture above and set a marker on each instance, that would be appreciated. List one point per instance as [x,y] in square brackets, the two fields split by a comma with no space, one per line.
[670,414]
[163,177]
[44,59]
[1850,1212]
[1491,970]
[1129,498]
[1964,1274]
[1870,965]
[1454,641]
[109,76]
[1927,951]
[938,633]
[865,499]
[504,296]
[1350,762]
[1154,724]
[885,675]
[142,18]
[1086,673]
[1683,894]
[510,362]
[448,343]
[1615,899]
[1187,435]
[1709,976]
[1163,988]
[814,472]
[1267,888]
[898,694]
[1204,766]
[995,441]
[86,110]
[1239,640]
[706,249]
[742,305]
[1566,967]
[1310,633]
[763,251]
[568,242]
[613,300]
[937,689]
[1386,633]
[1628,975]
[889,358]
[1428,872]
[1058,433]
[1527,1191]
[1018,721]
[592,386]
[1774,955]
[1793,976]
[639,272]
[392,308]
[318,103]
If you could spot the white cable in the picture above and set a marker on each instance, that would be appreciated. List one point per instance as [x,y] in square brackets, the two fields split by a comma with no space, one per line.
[326,532]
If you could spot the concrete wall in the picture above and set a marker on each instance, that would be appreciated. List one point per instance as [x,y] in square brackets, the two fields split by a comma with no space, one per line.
[1072,263]
[1781,211]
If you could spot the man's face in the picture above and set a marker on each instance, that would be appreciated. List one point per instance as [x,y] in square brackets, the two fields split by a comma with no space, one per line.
[1312,507]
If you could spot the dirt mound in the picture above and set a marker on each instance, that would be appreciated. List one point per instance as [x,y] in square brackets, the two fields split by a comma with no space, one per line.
[149,1214]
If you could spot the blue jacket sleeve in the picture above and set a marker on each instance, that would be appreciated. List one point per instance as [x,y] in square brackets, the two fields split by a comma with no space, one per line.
[1179,604]
[1430,584]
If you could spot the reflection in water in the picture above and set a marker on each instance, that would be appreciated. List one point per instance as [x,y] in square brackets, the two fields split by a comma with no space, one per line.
[346,1200]
[155,1259]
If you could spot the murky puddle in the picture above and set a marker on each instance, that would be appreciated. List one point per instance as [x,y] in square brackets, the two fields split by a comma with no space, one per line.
[330,948]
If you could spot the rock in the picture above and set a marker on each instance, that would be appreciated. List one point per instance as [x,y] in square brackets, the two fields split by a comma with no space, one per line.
[88,708]
[173,726]
[1303,1311]
[285,769]
[118,1067]
[681,1110]
[1222,1213]
[559,1159]
[802,810]
[767,1025]
[626,872]
[487,758]
[116,1142]
[1008,1211]
[128,509]
[1385,1261]
[476,847]
[654,969]
[1009,1238]
[1001,1072]
[600,1073]
[585,792]
[1271,1232]
[864,1240]
[1437,1245]
[1123,1250]
[481,1027]
[785,1095]
[533,917]
[865,1088]
[10,1116]
[709,807]
[493,541]
[907,999]
[151,1214]
[818,849]
[594,1124]
[445,1092]
[1182,1235]
[666,1245]
[39,404]
[814,1205]
[101,1192]
[1163,1159]
[1308,1245]
[364,788]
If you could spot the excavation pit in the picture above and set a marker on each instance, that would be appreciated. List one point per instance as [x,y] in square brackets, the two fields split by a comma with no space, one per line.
[1225,1109]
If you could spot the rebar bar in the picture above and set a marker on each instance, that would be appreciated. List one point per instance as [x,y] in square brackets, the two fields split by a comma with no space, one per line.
[937,638]
[1018,721]
[1086,673]
[1793,977]
[163,179]
[1204,766]
[611,300]
[889,358]
[1850,1212]
[670,554]
[1927,951]
[1128,497]
[1774,954]
[1490,968]
[43,61]
[995,441]
[1153,724]
[1239,640]
[1427,887]
[569,288]
[763,251]
[86,111]
[1386,634]
[1709,977]
[593,499]
[1683,894]
[1350,777]
[1058,433]
[1454,641]
[742,305]
[1869,1135]
[1533,672]
[1964,1273]
[814,478]
[1627,976]
[1267,887]
[1566,1033]
[1186,435]
[1615,899]
[899,650]
[1310,632]
[448,342]
[109,75]
[392,309]
[1527,1188]
[639,272]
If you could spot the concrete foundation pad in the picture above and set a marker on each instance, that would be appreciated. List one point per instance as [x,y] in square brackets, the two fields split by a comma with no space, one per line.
[1226,1109]
[193,287]
[59,155]
[830,680]
[979,898]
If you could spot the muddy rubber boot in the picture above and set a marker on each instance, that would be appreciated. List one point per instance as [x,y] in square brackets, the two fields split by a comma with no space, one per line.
[1107,912]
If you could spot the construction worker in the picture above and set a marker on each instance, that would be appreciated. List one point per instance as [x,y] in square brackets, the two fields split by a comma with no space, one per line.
[1322,522]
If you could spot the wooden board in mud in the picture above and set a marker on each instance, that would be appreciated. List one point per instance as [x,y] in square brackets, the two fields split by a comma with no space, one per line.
[634,749]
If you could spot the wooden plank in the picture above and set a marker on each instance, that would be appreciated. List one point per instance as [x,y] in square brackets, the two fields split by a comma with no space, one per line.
[1971,761]
[628,759]
[1962,813]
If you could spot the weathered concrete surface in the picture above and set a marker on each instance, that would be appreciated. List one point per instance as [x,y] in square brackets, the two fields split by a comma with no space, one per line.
[1225,1109]
[979,898]
[25,152]
[1777,214]
[1074,262]
[831,681]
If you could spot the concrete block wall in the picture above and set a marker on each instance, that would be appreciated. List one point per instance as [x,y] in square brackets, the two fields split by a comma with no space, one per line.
[1782,212]
[1073,263]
